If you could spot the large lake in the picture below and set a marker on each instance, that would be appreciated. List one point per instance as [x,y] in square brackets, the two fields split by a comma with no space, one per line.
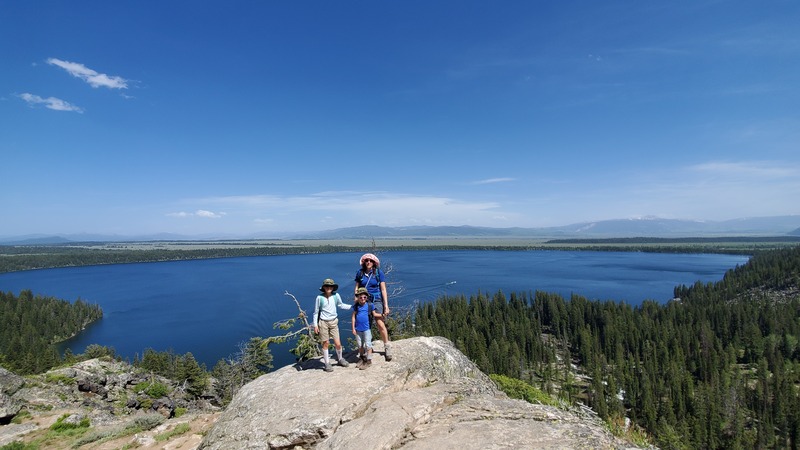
[208,307]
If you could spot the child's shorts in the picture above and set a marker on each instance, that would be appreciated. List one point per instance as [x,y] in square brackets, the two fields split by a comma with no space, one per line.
[364,339]
[329,329]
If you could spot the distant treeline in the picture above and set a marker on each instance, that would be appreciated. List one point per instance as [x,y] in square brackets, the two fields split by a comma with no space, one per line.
[718,367]
[15,258]
[30,325]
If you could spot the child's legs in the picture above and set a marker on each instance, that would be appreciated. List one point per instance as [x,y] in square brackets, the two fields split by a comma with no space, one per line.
[337,343]
[367,339]
[324,333]
[362,341]
[324,336]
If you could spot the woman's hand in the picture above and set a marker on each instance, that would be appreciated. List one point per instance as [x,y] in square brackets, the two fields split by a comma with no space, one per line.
[316,329]
[386,311]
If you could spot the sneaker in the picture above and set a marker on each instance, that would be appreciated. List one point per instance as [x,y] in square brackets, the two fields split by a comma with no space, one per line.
[328,368]
[387,352]
[366,365]
[343,362]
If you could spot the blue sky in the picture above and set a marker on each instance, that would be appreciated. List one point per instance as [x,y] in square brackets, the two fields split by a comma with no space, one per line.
[254,117]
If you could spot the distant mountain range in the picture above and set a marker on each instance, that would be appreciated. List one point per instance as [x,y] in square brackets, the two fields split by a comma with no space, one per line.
[644,227]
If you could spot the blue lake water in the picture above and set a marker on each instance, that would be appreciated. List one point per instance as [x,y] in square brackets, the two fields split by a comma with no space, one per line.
[208,307]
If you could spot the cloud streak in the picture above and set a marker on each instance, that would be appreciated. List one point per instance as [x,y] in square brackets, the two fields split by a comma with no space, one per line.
[493,180]
[50,103]
[755,169]
[201,213]
[92,77]
[349,208]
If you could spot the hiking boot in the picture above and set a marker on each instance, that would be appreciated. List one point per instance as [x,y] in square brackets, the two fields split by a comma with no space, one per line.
[328,367]
[343,362]
[360,363]
[387,352]
[366,365]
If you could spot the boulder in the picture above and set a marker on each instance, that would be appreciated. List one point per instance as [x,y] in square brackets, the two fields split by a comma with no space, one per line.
[164,406]
[430,396]
[10,383]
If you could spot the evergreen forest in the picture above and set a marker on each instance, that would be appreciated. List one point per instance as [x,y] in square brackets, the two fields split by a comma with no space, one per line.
[716,367]
[30,325]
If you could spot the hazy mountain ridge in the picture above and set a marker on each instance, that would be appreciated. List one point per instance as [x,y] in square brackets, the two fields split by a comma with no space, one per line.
[640,227]
[650,227]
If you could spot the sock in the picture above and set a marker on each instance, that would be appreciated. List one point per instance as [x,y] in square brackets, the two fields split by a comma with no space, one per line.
[325,356]
[338,354]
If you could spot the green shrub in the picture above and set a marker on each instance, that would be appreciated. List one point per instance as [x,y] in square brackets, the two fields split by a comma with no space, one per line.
[19,446]
[61,425]
[139,424]
[179,412]
[519,389]
[58,378]
[152,389]
[147,421]
[146,404]
[97,435]
[20,416]
[180,429]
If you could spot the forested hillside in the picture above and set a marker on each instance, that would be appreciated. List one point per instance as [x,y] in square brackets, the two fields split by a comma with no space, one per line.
[717,367]
[32,324]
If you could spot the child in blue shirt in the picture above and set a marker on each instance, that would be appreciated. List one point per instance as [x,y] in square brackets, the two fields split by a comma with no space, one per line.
[363,312]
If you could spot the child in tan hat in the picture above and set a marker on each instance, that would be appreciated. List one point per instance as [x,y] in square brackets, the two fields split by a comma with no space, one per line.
[326,321]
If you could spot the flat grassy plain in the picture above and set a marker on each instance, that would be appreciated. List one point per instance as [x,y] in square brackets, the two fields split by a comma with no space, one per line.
[733,243]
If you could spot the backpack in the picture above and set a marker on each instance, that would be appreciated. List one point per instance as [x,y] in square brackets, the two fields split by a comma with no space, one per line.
[370,308]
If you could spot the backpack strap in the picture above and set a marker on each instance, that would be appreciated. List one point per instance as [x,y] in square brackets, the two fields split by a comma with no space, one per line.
[319,310]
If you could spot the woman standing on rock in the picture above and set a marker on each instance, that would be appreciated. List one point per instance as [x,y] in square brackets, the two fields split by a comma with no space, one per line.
[371,277]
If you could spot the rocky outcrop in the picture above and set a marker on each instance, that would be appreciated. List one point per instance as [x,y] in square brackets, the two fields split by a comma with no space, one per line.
[10,383]
[430,396]
[107,392]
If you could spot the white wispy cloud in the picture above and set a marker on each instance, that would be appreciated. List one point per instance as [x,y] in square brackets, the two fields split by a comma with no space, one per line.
[94,78]
[199,213]
[49,102]
[758,169]
[352,201]
[347,208]
[494,180]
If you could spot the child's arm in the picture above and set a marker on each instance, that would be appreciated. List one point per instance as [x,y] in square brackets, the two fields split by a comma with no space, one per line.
[353,321]
[341,304]
[316,315]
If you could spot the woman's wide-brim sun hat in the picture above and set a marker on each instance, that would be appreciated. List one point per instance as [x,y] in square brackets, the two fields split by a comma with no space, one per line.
[367,256]
[329,282]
